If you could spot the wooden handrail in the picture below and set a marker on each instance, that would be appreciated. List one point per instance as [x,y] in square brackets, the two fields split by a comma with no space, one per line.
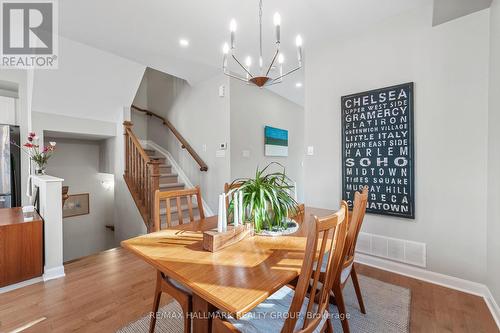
[136,142]
[185,144]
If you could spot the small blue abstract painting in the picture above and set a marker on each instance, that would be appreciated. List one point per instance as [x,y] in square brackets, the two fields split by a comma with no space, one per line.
[276,141]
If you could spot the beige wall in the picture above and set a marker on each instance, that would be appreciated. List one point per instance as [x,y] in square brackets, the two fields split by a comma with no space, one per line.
[449,65]
[251,110]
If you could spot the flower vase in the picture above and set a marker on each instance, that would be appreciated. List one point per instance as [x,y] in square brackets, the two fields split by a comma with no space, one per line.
[40,170]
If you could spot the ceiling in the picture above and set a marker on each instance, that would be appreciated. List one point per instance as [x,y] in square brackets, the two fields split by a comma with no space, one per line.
[148,32]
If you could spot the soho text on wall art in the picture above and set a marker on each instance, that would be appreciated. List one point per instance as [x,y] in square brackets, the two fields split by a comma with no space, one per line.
[377,149]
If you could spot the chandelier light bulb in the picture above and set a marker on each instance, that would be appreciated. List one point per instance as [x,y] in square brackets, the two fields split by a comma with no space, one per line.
[225,48]
[281,58]
[277,23]
[232,28]
[233,25]
[277,19]
[248,61]
[298,41]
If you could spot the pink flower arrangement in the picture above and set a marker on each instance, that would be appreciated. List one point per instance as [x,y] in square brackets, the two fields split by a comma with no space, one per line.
[39,155]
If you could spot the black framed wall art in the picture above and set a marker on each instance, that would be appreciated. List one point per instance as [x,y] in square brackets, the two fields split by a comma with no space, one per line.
[378,149]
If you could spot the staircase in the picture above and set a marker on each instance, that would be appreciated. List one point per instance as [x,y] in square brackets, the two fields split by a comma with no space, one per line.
[146,171]
[169,181]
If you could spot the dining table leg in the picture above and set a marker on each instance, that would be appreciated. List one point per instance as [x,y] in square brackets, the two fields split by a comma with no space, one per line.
[202,315]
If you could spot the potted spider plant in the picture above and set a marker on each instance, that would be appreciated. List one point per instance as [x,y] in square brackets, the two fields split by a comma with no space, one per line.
[267,201]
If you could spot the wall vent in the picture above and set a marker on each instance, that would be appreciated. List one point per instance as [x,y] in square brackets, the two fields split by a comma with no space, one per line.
[401,250]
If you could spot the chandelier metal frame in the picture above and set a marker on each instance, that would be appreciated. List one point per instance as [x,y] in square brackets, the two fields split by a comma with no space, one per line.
[263,78]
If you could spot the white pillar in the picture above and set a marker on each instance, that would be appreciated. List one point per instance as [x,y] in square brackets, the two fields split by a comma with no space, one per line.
[50,198]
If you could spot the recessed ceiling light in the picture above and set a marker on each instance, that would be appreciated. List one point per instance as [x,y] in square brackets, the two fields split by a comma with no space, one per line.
[183,42]
[298,84]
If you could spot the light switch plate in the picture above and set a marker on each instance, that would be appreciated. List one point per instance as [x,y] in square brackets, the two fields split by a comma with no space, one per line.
[222,91]
[310,150]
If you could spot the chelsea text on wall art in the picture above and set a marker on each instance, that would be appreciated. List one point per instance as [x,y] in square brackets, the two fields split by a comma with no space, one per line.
[377,149]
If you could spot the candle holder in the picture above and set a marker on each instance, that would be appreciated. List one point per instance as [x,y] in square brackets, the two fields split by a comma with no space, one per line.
[214,241]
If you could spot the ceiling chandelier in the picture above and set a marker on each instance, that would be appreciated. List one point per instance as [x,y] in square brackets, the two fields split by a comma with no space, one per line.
[263,78]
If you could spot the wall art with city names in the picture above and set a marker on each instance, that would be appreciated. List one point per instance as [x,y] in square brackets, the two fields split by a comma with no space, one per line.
[377,149]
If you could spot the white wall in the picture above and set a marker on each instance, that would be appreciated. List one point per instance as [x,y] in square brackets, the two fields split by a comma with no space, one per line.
[89,83]
[82,128]
[97,85]
[493,230]
[139,119]
[74,125]
[251,110]
[202,118]
[449,65]
[77,162]
[8,112]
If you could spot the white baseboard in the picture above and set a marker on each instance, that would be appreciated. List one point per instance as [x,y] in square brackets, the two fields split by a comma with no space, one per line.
[447,281]
[53,273]
[493,306]
[182,176]
[20,284]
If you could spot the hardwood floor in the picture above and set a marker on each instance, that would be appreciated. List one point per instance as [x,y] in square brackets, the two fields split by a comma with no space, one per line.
[438,309]
[100,293]
[104,292]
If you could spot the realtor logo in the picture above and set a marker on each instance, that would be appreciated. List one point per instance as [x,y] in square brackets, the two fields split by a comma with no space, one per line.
[29,34]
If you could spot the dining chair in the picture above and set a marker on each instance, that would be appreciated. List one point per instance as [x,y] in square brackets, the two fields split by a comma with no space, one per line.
[348,269]
[164,284]
[298,214]
[177,196]
[228,187]
[278,313]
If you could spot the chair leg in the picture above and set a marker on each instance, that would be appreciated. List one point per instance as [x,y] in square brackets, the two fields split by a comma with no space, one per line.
[188,310]
[328,325]
[355,283]
[156,305]
[339,298]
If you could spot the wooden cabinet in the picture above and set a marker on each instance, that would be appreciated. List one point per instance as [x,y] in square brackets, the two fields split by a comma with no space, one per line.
[21,247]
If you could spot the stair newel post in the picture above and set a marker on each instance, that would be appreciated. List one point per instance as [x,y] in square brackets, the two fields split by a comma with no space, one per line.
[155,185]
[128,125]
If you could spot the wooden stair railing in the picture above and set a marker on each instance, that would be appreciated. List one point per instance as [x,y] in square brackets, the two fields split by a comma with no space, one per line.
[175,132]
[141,175]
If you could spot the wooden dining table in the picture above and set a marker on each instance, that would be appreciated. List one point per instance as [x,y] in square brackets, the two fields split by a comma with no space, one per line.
[234,279]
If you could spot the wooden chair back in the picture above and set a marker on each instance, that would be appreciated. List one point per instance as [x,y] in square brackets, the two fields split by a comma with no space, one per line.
[177,196]
[318,302]
[228,187]
[356,220]
[298,215]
